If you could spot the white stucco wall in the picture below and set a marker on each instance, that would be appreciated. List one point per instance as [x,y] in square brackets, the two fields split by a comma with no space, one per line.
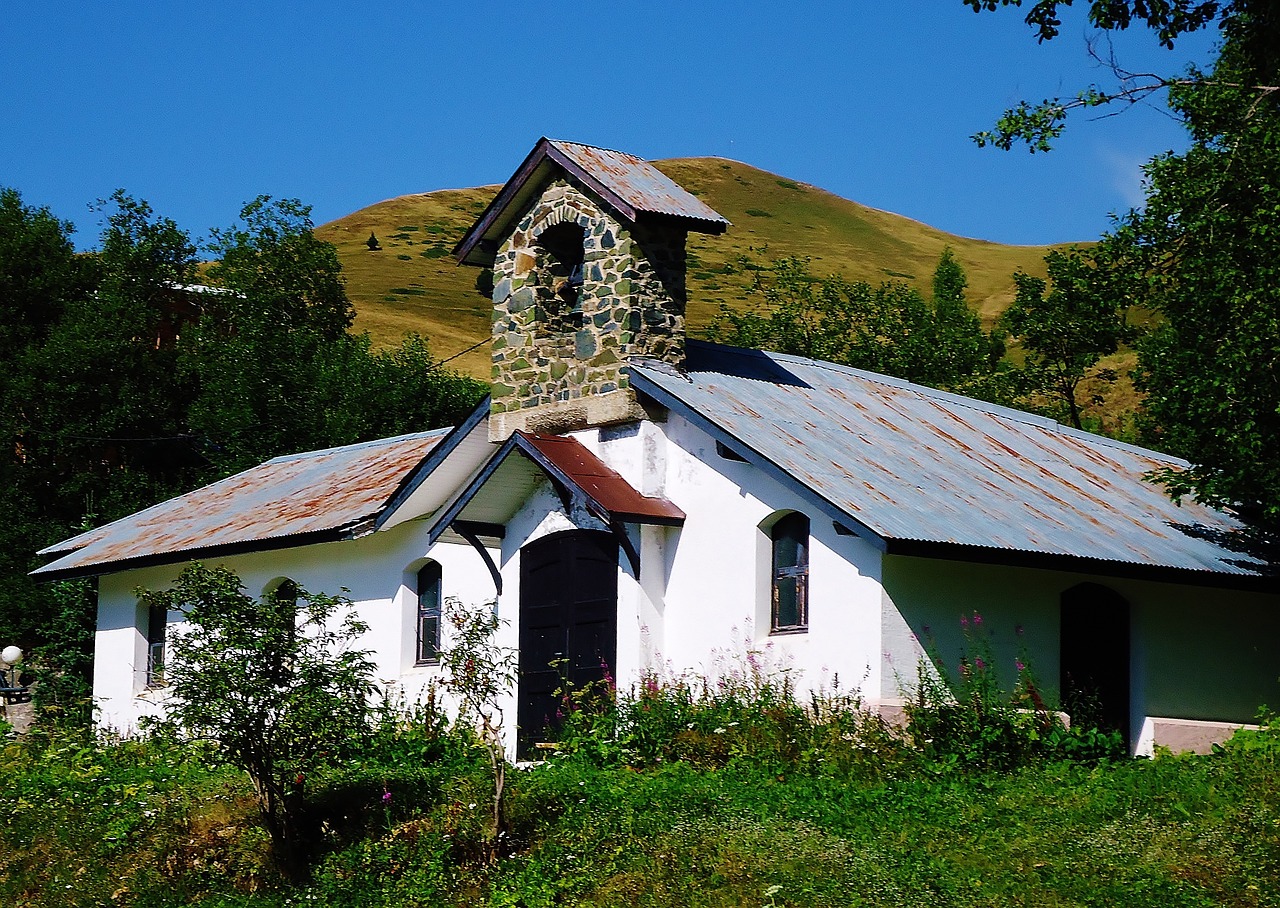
[703,596]
[378,571]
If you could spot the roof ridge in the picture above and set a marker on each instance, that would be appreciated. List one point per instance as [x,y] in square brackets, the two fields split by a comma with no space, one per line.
[626,154]
[375,442]
[982,406]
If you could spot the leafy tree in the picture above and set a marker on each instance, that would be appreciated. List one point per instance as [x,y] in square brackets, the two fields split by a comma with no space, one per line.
[1067,330]
[480,673]
[965,353]
[1207,246]
[272,360]
[889,329]
[1251,26]
[112,399]
[39,275]
[276,682]
[90,405]
[39,272]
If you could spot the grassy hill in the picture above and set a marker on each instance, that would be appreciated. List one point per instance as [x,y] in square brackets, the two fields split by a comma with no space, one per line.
[413,284]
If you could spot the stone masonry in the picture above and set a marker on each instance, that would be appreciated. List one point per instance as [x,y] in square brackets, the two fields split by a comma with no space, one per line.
[560,351]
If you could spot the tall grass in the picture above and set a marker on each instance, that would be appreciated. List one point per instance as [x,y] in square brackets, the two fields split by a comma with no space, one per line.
[676,793]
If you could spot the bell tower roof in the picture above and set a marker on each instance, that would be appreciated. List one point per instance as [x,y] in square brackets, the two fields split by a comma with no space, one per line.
[630,187]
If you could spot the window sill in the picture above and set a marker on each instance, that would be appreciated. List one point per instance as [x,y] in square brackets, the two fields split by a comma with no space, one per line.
[788,631]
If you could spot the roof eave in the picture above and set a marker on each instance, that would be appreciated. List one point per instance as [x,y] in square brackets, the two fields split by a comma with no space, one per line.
[51,572]
[1079,564]
[434,457]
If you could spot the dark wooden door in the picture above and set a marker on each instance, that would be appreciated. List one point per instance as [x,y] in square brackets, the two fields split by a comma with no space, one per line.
[568,622]
[1095,657]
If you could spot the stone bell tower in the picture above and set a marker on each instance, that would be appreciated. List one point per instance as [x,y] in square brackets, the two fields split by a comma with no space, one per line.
[587,248]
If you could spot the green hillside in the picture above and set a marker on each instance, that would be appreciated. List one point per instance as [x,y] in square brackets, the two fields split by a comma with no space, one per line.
[413,284]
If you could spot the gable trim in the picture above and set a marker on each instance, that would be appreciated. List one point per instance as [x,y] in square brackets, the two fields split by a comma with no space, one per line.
[418,475]
[657,511]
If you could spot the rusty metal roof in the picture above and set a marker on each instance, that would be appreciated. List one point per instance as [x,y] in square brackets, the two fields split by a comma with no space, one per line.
[920,471]
[614,495]
[631,186]
[291,500]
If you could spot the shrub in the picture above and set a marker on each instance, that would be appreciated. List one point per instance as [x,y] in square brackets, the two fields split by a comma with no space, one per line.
[967,719]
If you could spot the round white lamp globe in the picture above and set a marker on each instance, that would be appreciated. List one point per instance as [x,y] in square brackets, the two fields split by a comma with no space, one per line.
[11,655]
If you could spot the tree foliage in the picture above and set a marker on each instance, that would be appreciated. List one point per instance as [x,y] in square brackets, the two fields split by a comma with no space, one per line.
[889,329]
[125,382]
[1207,249]
[1251,26]
[1065,331]
[480,674]
[276,682]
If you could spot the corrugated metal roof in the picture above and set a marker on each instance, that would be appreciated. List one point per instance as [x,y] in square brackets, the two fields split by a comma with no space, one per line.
[629,185]
[910,463]
[331,491]
[637,182]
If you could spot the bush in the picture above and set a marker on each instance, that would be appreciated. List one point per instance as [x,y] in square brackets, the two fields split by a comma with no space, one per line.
[968,720]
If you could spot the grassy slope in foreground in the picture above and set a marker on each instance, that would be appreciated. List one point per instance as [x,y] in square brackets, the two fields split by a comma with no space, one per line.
[413,284]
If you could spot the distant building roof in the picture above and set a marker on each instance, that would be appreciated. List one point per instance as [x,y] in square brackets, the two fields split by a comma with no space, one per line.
[631,186]
[318,496]
[919,471]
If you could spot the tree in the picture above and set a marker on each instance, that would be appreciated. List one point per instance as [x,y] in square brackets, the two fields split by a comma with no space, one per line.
[275,682]
[1207,248]
[889,329]
[274,366]
[1066,331]
[480,673]
[1251,26]
[112,399]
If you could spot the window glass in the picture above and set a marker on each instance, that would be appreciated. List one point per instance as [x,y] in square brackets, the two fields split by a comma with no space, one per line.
[157,623]
[428,624]
[790,578]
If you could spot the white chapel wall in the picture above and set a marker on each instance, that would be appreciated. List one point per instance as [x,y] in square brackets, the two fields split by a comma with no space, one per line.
[377,571]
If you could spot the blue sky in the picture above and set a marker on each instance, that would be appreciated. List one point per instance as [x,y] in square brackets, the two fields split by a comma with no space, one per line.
[199,107]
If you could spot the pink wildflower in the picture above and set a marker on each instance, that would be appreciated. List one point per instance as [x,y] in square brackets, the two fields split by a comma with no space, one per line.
[979,664]
[977,620]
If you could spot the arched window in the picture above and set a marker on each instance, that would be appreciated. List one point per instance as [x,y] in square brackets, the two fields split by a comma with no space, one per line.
[428,624]
[790,575]
[560,265]
[286,593]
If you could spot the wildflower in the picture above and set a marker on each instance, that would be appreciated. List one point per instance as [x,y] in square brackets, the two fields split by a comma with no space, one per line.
[1021,666]
[964,622]
[977,620]
[386,796]
[979,664]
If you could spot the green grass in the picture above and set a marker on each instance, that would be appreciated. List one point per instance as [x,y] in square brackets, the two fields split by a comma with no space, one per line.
[745,800]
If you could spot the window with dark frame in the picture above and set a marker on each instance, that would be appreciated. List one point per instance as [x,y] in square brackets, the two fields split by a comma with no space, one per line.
[428,645]
[790,576]
[157,624]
